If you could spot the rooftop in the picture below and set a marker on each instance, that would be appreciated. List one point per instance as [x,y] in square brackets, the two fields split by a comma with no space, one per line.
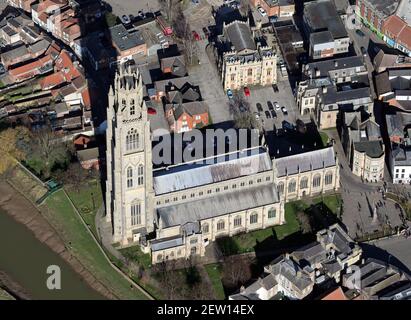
[125,40]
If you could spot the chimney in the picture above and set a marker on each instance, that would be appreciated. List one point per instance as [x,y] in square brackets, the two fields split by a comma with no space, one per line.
[317,72]
[335,63]
[325,89]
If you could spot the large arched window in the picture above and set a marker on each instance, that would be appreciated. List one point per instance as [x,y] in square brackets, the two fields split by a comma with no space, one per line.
[237,221]
[254,218]
[132,107]
[304,183]
[220,225]
[280,188]
[317,180]
[129,177]
[328,179]
[135,213]
[272,213]
[140,175]
[291,186]
[205,228]
[132,140]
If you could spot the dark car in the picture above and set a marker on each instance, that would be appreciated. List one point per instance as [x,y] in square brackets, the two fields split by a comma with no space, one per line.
[267,114]
[206,32]
[270,105]
[275,88]
[287,125]
[2,69]
[125,19]
[273,114]
[259,107]
[360,33]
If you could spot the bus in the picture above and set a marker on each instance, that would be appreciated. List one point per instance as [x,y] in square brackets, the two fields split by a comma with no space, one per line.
[165,27]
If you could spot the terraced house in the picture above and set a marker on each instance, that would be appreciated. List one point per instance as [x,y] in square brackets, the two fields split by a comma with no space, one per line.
[175,210]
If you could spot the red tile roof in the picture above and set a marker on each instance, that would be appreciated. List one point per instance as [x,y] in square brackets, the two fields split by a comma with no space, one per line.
[52,81]
[337,294]
[393,25]
[404,37]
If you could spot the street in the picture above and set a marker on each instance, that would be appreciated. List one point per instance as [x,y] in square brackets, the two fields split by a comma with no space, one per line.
[128,7]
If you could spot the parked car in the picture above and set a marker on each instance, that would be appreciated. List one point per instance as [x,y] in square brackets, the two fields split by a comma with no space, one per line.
[273,18]
[273,114]
[277,106]
[275,88]
[2,69]
[196,36]
[259,107]
[125,19]
[360,33]
[287,125]
[141,14]
[267,114]
[246,91]
[284,110]
[363,51]
[262,11]
[205,30]
[270,105]
[257,116]
[229,94]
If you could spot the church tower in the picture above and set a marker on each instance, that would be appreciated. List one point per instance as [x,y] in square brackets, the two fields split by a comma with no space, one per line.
[129,185]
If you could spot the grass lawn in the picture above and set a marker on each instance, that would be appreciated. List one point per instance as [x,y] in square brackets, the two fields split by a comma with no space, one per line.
[324,138]
[333,202]
[135,254]
[214,272]
[247,241]
[88,199]
[61,214]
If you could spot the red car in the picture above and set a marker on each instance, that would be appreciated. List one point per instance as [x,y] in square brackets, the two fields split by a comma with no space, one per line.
[196,35]
[246,92]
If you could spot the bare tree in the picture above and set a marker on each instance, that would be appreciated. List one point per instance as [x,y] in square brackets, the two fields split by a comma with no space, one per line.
[241,111]
[167,7]
[170,281]
[304,221]
[236,271]
[244,7]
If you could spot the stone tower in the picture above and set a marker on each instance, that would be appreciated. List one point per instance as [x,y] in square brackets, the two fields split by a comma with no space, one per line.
[129,185]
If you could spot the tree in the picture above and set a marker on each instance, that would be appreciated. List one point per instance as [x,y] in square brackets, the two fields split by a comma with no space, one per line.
[51,150]
[75,175]
[167,6]
[304,221]
[244,7]
[236,271]
[13,146]
[169,280]
[241,111]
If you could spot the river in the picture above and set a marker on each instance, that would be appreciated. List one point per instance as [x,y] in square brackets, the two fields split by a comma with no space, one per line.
[25,260]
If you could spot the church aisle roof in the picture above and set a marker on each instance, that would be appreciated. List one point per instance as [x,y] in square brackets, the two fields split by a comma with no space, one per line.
[219,205]
[212,170]
[304,162]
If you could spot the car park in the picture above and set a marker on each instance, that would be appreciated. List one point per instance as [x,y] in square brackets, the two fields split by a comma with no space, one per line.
[267,114]
[273,114]
[270,105]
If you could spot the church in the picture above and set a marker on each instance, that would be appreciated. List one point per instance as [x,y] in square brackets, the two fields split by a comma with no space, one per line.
[175,211]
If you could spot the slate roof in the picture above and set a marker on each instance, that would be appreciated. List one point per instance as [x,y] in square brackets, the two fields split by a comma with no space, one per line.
[304,162]
[218,205]
[125,40]
[212,170]
[240,36]
[166,243]
[373,149]
[326,66]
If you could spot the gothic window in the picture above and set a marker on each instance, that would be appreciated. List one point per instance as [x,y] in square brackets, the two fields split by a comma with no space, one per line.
[316,180]
[304,183]
[136,213]
[205,228]
[253,218]
[280,188]
[272,213]
[132,140]
[328,179]
[291,186]
[237,221]
[129,177]
[250,72]
[140,175]
[220,225]
[132,107]
[124,103]
[160,257]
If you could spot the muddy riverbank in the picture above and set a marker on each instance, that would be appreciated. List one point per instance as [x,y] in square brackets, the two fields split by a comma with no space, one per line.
[15,205]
